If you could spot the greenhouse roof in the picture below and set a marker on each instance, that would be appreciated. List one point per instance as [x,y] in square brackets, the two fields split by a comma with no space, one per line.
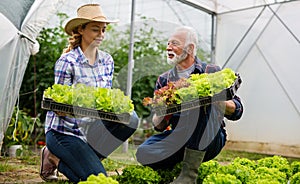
[223,6]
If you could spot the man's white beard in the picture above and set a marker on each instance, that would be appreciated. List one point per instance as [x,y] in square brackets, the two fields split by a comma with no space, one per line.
[176,59]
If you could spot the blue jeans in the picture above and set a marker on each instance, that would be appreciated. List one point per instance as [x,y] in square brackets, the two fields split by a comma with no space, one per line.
[195,129]
[79,159]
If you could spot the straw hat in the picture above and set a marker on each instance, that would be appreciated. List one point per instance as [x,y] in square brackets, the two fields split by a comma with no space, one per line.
[87,13]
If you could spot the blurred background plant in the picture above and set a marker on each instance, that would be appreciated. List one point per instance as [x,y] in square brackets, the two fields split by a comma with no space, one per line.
[21,131]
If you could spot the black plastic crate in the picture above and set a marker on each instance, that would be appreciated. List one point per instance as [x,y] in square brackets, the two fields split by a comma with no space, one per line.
[226,94]
[49,104]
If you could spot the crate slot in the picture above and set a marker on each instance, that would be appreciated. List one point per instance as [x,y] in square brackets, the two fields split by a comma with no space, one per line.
[49,104]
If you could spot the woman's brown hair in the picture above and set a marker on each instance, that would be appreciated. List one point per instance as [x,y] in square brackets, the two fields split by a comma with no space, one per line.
[74,40]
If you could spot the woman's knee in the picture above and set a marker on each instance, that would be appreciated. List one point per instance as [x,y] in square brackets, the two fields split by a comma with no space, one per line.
[140,152]
[134,120]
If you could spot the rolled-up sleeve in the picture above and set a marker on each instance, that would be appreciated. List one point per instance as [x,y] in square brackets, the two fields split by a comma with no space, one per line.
[238,109]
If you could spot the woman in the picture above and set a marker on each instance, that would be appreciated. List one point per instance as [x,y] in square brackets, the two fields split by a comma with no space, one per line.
[76,146]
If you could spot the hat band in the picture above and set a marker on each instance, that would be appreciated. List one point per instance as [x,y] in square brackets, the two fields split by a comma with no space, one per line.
[101,17]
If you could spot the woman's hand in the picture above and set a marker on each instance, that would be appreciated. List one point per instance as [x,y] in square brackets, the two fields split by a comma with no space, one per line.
[60,113]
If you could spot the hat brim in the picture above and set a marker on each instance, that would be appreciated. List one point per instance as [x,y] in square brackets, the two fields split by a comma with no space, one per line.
[73,23]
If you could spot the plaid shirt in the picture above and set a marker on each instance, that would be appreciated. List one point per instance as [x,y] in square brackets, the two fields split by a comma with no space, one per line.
[72,68]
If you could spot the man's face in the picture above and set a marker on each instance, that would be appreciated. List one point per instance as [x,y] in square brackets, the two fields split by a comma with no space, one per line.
[176,52]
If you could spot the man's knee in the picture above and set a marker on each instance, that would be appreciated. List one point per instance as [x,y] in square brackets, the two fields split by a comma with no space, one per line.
[141,154]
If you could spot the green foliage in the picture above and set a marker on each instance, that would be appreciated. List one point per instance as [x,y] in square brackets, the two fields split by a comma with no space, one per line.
[295,179]
[167,176]
[207,168]
[282,164]
[198,85]
[81,95]
[216,178]
[270,174]
[208,84]
[265,181]
[295,167]
[5,167]
[99,179]
[241,172]
[245,162]
[241,168]
[238,171]
[139,175]
[20,129]
[266,170]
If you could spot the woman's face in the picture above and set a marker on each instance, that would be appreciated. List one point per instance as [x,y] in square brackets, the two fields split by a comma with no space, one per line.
[92,34]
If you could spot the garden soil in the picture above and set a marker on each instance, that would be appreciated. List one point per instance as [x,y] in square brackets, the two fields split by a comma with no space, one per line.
[17,171]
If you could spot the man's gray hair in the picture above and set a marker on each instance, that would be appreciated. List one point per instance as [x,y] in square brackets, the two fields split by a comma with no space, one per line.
[191,37]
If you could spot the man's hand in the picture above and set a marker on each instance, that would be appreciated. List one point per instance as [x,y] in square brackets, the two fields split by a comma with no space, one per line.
[157,119]
[228,107]
[161,122]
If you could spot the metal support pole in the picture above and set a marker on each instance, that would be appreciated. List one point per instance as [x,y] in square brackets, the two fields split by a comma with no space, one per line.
[130,63]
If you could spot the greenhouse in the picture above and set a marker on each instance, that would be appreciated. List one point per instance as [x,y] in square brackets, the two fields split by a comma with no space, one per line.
[258,39]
